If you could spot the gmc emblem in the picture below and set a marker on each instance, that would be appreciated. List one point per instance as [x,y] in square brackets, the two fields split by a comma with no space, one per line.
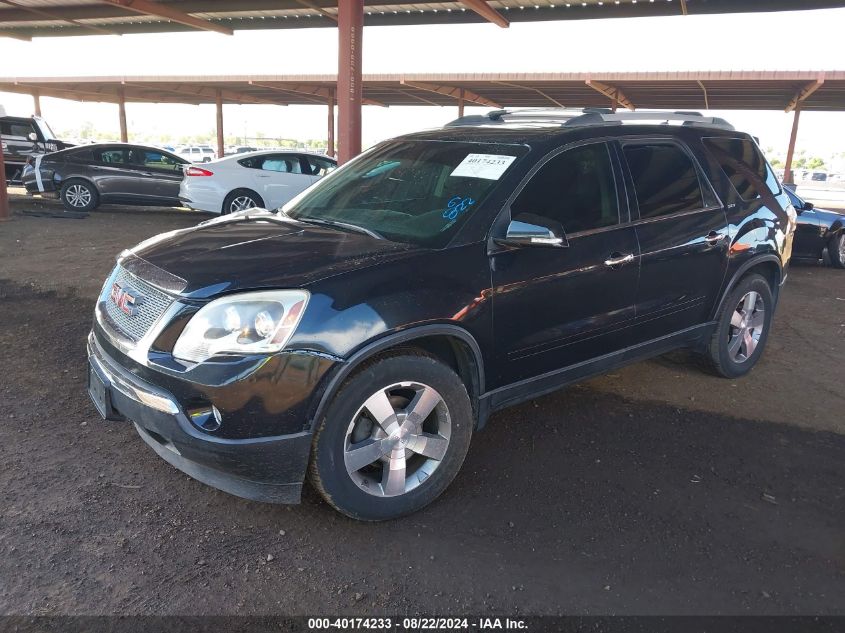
[126,299]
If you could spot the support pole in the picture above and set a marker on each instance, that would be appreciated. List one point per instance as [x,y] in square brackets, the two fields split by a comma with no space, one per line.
[121,104]
[36,102]
[330,145]
[4,194]
[788,178]
[350,18]
[220,140]
[461,103]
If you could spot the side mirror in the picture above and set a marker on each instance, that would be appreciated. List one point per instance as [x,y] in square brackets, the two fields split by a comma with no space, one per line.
[32,136]
[808,206]
[533,230]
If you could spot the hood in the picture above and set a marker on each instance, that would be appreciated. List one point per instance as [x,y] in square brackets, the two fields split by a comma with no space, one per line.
[234,253]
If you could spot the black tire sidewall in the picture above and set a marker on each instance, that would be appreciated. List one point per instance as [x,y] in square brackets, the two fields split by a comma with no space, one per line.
[95,197]
[835,257]
[240,192]
[726,365]
[328,467]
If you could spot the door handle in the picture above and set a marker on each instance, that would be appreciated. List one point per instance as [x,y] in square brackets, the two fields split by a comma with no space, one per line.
[714,238]
[616,259]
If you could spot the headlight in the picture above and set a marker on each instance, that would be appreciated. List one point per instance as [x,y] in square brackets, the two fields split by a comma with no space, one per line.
[248,323]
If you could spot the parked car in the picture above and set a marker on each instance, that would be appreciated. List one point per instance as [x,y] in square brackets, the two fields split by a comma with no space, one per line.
[363,333]
[116,173]
[24,138]
[197,153]
[818,230]
[257,179]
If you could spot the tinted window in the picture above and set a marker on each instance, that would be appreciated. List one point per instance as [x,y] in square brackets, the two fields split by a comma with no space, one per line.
[576,188]
[110,156]
[282,163]
[319,166]
[153,159]
[13,128]
[665,179]
[744,165]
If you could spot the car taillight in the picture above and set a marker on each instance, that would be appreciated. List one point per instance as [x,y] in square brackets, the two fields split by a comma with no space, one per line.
[198,171]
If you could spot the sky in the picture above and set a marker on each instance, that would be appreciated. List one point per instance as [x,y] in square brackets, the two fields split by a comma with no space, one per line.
[801,40]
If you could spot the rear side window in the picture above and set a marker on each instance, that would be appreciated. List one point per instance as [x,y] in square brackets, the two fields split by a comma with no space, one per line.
[110,156]
[744,165]
[665,179]
[575,188]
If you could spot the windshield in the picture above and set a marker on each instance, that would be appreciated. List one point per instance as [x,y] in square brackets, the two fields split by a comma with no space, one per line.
[417,192]
[46,132]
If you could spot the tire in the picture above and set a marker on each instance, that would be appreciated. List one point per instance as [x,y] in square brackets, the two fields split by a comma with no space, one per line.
[236,201]
[79,195]
[362,485]
[743,327]
[836,250]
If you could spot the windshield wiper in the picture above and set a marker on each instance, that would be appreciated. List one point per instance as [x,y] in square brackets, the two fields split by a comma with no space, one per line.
[342,225]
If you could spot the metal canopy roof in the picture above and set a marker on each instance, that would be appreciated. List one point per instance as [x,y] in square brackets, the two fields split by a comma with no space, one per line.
[25,19]
[776,90]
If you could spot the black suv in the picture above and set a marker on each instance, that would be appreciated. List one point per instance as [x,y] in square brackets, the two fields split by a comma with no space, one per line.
[361,334]
[23,139]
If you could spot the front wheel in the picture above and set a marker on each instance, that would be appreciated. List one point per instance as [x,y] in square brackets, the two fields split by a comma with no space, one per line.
[743,327]
[393,438]
[837,250]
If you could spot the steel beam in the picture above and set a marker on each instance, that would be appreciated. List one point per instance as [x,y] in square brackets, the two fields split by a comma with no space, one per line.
[150,8]
[457,93]
[121,113]
[487,12]
[220,139]
[790,152]
[349,79]
[805,92]
[330,143]
[612,92]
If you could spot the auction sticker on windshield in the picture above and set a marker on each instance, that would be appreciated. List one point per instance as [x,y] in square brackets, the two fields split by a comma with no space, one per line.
[487,166]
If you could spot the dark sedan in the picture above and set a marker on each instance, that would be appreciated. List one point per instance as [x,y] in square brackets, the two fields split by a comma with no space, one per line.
[116,173]
[817,230]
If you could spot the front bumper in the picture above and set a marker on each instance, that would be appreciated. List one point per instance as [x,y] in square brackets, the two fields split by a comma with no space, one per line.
[270,469]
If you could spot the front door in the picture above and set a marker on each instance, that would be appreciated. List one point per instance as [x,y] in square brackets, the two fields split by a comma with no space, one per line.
[156,176]
[554,307]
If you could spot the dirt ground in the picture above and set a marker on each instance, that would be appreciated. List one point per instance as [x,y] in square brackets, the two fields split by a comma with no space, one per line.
[654,490]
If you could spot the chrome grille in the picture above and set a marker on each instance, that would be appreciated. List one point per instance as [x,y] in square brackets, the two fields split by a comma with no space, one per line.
[146,313]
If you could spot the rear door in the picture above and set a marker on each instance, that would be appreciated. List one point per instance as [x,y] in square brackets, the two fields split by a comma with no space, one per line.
[683,236]
[278,178]
[557,307]
[109,171]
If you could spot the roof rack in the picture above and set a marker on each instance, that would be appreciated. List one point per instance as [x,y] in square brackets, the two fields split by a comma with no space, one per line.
[588,116]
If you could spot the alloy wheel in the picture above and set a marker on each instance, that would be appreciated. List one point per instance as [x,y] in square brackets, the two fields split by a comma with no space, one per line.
[747,323]
[78,196]
[241,203]
[397,439]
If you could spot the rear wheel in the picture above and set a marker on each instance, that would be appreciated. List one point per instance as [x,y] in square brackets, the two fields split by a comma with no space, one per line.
[743,327]
[837,250]
[393,438]
[79,195]
[241,200]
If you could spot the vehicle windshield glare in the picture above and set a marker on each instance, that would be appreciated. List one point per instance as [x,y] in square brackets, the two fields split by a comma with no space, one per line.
[416,192]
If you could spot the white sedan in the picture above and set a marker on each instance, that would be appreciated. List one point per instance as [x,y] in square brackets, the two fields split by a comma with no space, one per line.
[266,179]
